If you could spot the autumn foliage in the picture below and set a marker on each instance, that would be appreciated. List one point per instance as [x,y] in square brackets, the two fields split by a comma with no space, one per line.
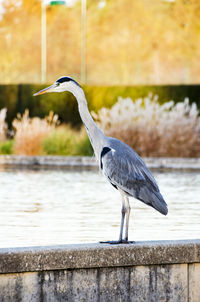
[127,42]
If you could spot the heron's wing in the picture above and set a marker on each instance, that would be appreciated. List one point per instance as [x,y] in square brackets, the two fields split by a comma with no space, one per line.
[127,171]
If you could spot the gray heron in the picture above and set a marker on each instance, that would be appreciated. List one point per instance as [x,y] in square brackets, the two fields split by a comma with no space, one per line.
[121,165]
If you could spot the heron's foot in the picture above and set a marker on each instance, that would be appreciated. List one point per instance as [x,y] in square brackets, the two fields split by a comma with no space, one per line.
[118,242]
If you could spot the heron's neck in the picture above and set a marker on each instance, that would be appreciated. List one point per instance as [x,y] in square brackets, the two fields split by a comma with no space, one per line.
[96,136]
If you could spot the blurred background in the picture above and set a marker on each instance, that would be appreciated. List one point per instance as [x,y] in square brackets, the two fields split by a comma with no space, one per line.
[141,49]
[100,42]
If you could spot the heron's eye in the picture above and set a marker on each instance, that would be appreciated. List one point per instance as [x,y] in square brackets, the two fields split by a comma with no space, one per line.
[57,83]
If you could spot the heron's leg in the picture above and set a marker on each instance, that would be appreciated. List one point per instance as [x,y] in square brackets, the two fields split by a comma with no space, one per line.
[128,210]
[123,212]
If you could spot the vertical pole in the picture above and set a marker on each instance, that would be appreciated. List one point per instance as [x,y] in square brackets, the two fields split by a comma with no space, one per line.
[83,40]
[43,41]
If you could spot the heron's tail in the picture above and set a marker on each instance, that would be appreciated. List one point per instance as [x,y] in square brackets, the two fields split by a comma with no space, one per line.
[154,199]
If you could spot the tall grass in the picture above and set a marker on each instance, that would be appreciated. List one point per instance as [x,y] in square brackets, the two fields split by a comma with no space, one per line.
[148,127]
[35,136]
[30,132]
[153,129]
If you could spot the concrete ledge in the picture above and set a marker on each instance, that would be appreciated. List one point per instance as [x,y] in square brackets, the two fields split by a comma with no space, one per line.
[141,272]
[16,260]
[91,163]
[49,161]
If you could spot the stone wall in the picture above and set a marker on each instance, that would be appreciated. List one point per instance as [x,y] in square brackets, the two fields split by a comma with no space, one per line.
[144,271]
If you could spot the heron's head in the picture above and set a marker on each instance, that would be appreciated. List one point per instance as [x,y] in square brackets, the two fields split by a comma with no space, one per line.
[60,85]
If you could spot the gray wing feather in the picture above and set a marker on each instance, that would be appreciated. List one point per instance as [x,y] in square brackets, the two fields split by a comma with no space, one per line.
[126,170]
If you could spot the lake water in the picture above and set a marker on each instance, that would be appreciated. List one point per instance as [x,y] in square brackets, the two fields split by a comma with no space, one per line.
[50,207]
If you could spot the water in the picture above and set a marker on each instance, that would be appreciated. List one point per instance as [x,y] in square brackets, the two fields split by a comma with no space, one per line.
[50,207]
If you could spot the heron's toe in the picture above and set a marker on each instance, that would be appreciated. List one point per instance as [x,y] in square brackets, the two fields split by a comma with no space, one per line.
[118,242]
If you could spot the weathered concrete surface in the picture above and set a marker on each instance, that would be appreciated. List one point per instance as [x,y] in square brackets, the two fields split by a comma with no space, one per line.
[159,283]
[90,162]
[155,283]
[98,255]
[20,287]
[194,282]
[142,272]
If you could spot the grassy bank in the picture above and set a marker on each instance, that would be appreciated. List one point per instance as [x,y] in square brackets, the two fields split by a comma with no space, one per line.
[150,128]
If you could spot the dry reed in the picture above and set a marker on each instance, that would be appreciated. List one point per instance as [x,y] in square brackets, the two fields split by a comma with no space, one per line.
[30,132]
[152,129]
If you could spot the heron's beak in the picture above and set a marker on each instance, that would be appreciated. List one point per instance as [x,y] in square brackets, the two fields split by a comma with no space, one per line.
[45,90]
